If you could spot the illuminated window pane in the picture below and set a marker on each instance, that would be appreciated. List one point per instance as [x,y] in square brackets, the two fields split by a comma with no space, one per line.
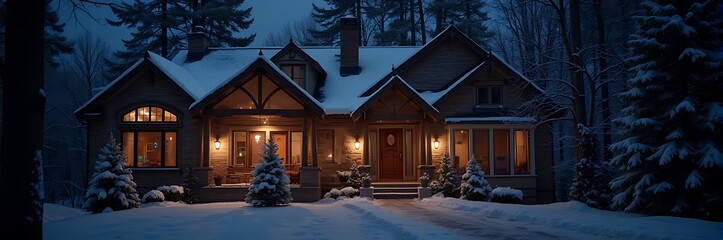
[170,160]
[240,146]
[296,148]
[156,114]
[482,149]
[149,149]
[127,144]
[502,152]
[461,149]
[144,114]
[522,158]
[169,117]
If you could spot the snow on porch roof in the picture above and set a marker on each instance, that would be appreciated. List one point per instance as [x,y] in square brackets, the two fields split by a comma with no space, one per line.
[490,119]
[340,94]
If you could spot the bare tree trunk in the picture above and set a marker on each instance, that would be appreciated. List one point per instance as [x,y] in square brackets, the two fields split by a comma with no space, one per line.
[602,55]
[21,209]
[422,27]
[164,28]
[412,24]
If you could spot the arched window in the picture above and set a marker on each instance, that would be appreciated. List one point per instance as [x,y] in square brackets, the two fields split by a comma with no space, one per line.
[149,114]
[153,143]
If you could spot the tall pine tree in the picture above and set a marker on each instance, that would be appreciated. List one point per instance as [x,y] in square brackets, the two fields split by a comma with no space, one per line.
[474,186]
[111,186]
[161,26]
[447,179]
[467,15]
[328,19]
[270,186]
[670,156]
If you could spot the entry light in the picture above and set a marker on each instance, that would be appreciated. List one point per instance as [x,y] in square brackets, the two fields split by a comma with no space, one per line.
[357,145]
[436,143]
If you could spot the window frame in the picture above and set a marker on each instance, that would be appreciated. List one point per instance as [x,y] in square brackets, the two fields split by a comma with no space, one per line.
[491,128]
[302,78]
[150,126]
[489,98]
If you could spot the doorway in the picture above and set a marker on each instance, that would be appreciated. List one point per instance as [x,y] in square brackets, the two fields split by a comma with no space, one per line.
[391,154]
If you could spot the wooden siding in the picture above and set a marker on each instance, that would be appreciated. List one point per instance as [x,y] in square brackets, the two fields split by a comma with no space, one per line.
[450,60]
[149,88]
[543,164]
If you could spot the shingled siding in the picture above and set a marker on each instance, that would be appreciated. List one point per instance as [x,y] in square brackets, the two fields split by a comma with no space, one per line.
[344,154]
[441,66]
[148,89]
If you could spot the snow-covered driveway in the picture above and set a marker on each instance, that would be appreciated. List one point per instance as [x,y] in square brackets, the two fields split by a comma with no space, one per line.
[472,225]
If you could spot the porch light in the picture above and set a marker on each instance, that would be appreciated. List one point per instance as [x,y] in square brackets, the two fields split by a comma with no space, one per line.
[257,138]
[217,144]
[436,143]
[357,144]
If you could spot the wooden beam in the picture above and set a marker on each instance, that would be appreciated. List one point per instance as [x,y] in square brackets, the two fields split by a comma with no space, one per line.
[305,143]
[279,112]
[314,146]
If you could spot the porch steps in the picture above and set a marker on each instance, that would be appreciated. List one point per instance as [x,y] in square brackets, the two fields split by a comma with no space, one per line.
[395,190]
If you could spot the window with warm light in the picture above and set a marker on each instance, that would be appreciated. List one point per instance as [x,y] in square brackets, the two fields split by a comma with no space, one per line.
[498,151]
[152,143]
[297,73]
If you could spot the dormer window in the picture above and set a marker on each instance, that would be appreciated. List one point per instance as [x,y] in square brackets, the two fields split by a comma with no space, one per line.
[489,95]
[296,72]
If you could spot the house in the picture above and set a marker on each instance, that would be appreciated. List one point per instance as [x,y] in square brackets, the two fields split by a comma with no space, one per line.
[394,110]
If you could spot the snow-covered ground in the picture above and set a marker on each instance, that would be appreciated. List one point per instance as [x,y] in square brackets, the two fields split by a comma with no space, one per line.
[357,218]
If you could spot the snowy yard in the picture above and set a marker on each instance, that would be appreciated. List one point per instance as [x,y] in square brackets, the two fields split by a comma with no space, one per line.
[433,218]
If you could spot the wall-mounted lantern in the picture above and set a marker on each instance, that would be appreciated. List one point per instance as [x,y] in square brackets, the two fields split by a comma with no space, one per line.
[217,143]
[357,145]
[436,143]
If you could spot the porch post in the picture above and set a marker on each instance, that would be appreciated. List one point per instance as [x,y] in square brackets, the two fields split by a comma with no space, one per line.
[365,153]
[423,148]
[204,141]
[314,161]
[305,143]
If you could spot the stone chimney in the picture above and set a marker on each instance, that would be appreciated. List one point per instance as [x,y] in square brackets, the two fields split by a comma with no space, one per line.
[349,31]
[197,44]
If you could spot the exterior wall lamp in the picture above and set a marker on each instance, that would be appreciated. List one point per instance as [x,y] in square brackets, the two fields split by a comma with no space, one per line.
[217,143]
[436,143]
[357,145]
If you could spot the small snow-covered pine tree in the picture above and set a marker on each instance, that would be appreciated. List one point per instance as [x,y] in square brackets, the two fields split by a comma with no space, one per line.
[590,184]
[191,180]
[355,177]
[270,186]
[447,180]
[474,186]
[670,156]
[112,184]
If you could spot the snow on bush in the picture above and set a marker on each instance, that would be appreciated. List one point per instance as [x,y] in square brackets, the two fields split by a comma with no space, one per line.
[506,195]
[347,192]
[111,186]
[447,182]
[173,193]
[474,186]
[270,186]
[153,196]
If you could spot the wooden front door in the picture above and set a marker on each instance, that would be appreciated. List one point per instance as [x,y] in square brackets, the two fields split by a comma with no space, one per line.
[390,151]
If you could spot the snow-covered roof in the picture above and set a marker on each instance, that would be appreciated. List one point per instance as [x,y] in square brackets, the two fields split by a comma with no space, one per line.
[490,119]
[340,94]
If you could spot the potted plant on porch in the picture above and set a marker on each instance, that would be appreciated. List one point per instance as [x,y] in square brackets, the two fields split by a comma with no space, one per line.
[366,189]
[217,179]
[424,191]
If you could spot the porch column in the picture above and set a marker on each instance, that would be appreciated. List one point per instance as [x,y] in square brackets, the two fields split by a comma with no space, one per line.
[365,153]
[314,161]
[423,148]
[305,143]
[204,142]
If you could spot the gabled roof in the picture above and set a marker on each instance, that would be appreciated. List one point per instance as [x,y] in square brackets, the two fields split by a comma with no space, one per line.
[448,33]
[275,74]
[291,46]
[178,75]
[396,82]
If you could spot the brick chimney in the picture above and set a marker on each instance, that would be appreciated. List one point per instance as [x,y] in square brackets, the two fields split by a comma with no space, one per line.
[349,31]
[197,44]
